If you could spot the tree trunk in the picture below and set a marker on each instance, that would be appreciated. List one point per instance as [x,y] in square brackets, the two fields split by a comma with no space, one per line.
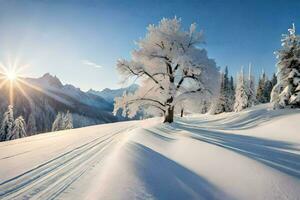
[181,113]
[169,116]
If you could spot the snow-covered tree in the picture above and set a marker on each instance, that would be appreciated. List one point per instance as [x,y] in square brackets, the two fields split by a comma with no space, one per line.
[170,66]
[31,125]
[221,101]
[62,121]
[241,93]
[231,93]
[287,90]
[264,88]
[274,80]
[204,107]
[260,92]
[251,88]
[267,90]
[19,129]
[68,121]
[225,100]
[58,123]
[7,124]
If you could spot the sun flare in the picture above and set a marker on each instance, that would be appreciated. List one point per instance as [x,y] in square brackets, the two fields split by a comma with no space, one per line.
[11,75]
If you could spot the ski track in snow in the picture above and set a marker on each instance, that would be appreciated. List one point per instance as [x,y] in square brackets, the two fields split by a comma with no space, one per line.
[49,179]
[197,157]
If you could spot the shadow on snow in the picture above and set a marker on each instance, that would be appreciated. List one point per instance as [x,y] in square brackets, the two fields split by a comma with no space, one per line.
[269,152]
[166,179]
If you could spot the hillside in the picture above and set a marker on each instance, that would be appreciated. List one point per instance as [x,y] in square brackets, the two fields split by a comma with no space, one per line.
[39,100]
[254,154]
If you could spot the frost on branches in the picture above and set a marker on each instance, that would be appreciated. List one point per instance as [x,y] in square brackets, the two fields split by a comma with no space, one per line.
[241,93]
[12,129]
[287,90]
[62,121]
[170,67]
[19,129]
[7,124]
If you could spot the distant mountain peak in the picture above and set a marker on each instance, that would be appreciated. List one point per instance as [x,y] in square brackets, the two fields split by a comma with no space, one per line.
[51,80]
[110,94]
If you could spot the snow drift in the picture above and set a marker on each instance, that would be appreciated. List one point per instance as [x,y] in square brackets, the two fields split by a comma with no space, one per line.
[254,154]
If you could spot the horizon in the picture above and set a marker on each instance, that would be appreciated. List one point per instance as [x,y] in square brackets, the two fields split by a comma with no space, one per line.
[80,42]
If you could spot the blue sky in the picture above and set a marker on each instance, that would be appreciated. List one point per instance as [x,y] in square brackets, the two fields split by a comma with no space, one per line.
[80,41]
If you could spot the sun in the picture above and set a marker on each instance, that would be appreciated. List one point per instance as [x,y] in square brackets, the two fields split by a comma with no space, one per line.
[11,71]
[11,75]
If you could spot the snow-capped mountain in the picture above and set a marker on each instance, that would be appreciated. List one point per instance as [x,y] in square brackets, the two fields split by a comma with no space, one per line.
[110,94]
[39,100]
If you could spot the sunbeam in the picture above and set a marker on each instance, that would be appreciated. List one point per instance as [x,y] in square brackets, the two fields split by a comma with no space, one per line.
[10,75]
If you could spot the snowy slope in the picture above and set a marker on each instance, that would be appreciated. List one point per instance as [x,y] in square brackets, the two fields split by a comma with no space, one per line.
[254,154]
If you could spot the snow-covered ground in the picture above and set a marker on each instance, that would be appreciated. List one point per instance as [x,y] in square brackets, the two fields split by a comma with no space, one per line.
[254,154]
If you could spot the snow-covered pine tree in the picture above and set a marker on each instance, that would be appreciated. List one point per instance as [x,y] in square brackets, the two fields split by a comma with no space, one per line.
[267,90]
[231,94]
[19,129]
[68,121]
[251,88]
[241,93]
[170,65]
[287,90]
[58,123]
[31,125]
[260,92]
[204,107]
[274,80]
[225,100]
[228,91]
[7,124]
[220,105]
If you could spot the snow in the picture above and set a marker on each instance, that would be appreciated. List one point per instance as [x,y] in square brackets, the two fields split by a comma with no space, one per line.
[254,154]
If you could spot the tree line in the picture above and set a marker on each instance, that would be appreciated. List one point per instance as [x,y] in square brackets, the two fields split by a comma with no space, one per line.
[244,93]
[12,128]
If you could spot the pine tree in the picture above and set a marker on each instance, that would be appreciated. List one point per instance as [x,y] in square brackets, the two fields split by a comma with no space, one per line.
[58,123]
[62,121]
[231,94]
[7,124]
[260,92]
[267,90]
[31,125]
[221,101]
[274,80]
[225,100]
[287,90]
[19,129]
[205,107]
[68,121]
[251,88]
[241,93]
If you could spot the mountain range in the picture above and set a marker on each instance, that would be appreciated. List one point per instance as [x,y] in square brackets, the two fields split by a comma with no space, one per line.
[39,100]
[109,94]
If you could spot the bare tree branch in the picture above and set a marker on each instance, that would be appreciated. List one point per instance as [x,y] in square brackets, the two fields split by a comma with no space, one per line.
[183,78]
[141,72]
[146,99]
